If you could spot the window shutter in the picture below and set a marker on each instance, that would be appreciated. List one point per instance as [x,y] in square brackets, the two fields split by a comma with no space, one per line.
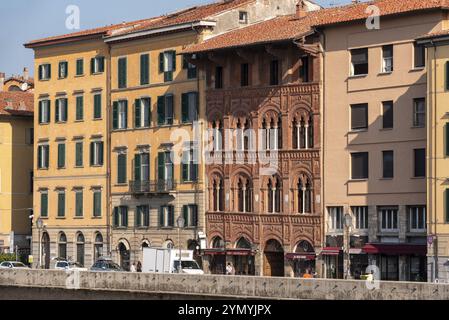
[101,153]
[161,62]
[447,75]
[194,176]
[40,111]
[79,154]
[195,216]
[79,204]
[185,63]
[144,69]
[196,106]
[97,106]
[185,171]
[66,102]
[171,216]
[446,139]
[160,110]
[121,168]
[147,121]
[137,167]
[116,217]
[185,214]
[40,72]
[47,156]
[44,204]
[122,72]
[161,216]
[48,110]
[61,204]
[80,67]
[79,107]
[39,157]
[137,113]
[92,150]
[173,54]
[126,113]
[161,165]
[49,71]
[101,64]
[97,204]
[185,108]
[115,115]
[169,115]
[92,65]
[125,216]
[446,204]
[139,213]
[61,155]
[58,102]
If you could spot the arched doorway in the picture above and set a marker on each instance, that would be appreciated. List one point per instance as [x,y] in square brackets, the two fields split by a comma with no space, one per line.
[123,250]
[218,261]
[62,246]
[80,246]
[45,250]
[244,264]
[273,265]
[305,264]
[98,246]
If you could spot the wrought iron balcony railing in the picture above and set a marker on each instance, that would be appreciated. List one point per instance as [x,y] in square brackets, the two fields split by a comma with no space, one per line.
[153,186]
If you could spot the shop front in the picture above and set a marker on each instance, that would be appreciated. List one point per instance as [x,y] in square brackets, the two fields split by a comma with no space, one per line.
[333,259]
[303,260]
[358,259]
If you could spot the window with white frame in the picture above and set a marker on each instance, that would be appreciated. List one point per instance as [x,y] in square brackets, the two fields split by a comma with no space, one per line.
[387,58]
[190,214]
[417,218]
[43,156]
[96,153]
[44,111]
[142,114]
[167,217]
[122,114]
[361,217]
[335,218]
[61,110]
[419,112]
[388,219]
[243,17]
[45,71]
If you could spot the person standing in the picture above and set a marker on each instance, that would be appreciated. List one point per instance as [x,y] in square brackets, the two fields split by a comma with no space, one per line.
[133,267]
[139,266]
[229,269]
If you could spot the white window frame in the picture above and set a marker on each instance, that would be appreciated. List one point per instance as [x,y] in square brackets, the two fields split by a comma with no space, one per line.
[168,61]
[41,149]
[336,223]
[417,210]
[387,61]
[121,113]
[45,105]
[144,112]
[97,64]
[390,213]
[45,71]
[416,112]
[165,217]
[361,217]
[60,105]
[96,150]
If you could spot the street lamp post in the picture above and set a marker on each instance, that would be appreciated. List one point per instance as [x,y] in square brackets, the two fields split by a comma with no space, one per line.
[180,223]
[348,225]
[39,225]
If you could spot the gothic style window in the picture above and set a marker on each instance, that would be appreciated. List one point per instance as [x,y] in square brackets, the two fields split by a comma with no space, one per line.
[304,194]
[272,133]
[302,130]
[243,138]
[217,194]
[217,135]
[244,195]
[274,195]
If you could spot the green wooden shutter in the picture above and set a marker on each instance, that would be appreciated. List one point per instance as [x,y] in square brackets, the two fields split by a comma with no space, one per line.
[446,139]
[137,113]
[161,110]
[79,154]
[101,64]
[161,166]
[196,106]
[170,112]
[161,216]
[97,203]
[122,73]
[125,216]
[40,111]
[139,211]
[61,155]
[126,114]
[39,156]
[41,72]
[161,62]
[195,216]
[79,108]
[79,203]
[121,167]
[44,204]
[185,214]
[92,150]
[171,216]
[137,167]
[173,54]
[144,69]
[48,111]
[79,67]
[116,217]
[47,156]
[446,204]
[115,115]
[58,102]
[61,204]
[185,107]
[101,153]
[92,65]
[49,71]
[97,106]
[66,103]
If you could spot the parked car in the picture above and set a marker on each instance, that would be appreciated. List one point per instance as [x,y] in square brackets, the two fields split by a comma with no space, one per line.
[66,265]
[105,265]
[12,265]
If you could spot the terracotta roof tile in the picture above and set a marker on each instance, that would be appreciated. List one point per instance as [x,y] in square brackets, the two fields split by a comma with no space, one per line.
[16,103]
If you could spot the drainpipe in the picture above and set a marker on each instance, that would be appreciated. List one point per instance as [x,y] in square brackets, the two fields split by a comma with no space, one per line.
[108,154]
[434,155]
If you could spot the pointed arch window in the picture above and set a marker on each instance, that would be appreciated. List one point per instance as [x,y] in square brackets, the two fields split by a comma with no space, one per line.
[217,194]
[304,194]
[274,195]
[244,195]
[302,131]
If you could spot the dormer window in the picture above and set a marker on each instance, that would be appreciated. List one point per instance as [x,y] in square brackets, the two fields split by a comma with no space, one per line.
[243,17]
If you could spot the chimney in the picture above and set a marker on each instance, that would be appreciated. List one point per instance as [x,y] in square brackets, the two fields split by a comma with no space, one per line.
[2,80]
[26,74]
[301,9]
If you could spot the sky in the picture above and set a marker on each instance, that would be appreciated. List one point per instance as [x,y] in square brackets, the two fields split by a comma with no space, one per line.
[27,20]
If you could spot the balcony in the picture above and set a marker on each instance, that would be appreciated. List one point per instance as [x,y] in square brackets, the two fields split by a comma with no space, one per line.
[153,186]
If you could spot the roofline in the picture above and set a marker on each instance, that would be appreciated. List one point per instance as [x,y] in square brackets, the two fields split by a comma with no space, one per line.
[43,43]
[442,39]
[178,27]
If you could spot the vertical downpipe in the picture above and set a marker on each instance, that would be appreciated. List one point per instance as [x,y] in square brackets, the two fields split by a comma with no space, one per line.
[108,156]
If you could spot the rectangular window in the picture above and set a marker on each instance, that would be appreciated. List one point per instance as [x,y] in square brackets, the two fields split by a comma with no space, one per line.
[419,112]
[304,70]
[359,116]
[61,110]
[165,166]
[361,217]
[61,155]
[144,69]
[218,77]
[387,115]
[43,153]
[244,74]
[388,219]
[44,204]
[419,56]
[44,71]
[96,153]
[79,108]
[190,215]
[167,217]
[191,68]
[388,164]
[97,65]
[359,61]
[121,168]
[190,163]
[63,69]
[417,219]
[243,17]
[97,106]
[61,203]
[121,217]
[447,75]
[79,154]
[142,113]
[387,58]
[420,163]
[189,107]
[142,167]
[335,218]
[79,67]
[79,203]
[446,139]
[167,64]
[274,72]
[97,202]
[44,111]
[29,136]
[122,72]
[359,165]
[142,216]
[165,110]
[120,115]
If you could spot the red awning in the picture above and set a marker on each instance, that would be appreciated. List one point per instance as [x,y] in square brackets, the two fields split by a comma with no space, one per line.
[301,256]
[396,249]
[331,251]
[229,252]
[213,252]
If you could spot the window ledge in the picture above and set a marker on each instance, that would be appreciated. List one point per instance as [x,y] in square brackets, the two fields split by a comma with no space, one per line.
[357,76]
[43,169]
[96,165]
[96,217]
[417,69]
[386,179]
[45,79]
[44,123]
[143,228]
[79,75]
[166,228]
[385,73]
[79,120]
[119,130]
[385,129]
[62,78]
[120,228]
[97,119]
[120,185]
[61,218]
[358,180]
[96,73]
[61,122]
[78,217]
[358,130]
[79,167]
[417,127]
[418,178]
